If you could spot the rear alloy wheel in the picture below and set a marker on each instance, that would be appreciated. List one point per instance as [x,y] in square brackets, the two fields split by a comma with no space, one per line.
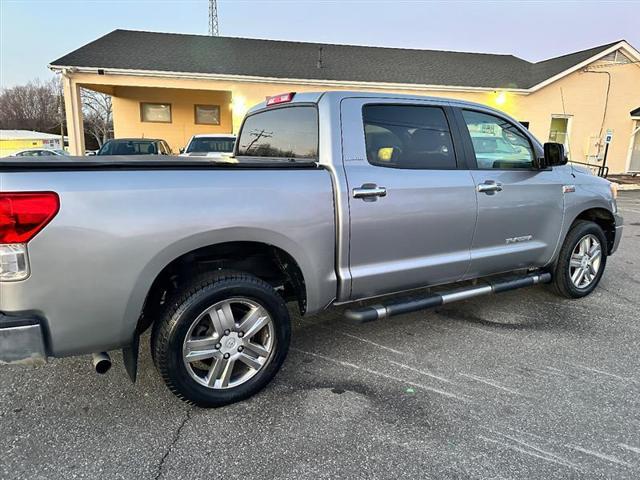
[222,338]
[229,343]
[581,261]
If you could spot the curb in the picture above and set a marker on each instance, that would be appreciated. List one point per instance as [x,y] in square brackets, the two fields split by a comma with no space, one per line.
[622,187]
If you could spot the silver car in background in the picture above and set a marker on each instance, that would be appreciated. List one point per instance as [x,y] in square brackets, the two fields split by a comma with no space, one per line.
[40,152]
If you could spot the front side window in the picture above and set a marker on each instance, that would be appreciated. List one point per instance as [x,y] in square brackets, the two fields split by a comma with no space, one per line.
[207,114]
[155,112]
[408,136]
[497,143]
[289,132]
[211,144]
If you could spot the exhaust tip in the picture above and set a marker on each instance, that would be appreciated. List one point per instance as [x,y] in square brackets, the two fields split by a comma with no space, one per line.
[101,362]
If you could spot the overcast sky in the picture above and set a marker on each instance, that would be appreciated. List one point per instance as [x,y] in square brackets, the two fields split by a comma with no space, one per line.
[35,32]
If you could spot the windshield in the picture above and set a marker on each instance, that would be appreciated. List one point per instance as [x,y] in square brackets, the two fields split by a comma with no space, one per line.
[211,144]
[128,147]
[61,152]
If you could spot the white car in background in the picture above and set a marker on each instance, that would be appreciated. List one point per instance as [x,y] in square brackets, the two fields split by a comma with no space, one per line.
[39,152]
[210,145]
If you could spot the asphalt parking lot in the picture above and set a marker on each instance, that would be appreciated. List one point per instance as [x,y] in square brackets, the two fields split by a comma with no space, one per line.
[518,385]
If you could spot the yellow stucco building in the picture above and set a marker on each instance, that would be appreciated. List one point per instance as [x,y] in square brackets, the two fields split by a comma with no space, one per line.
[173,86]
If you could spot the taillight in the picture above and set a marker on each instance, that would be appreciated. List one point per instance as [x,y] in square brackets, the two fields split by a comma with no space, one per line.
[24,214]
[282,98]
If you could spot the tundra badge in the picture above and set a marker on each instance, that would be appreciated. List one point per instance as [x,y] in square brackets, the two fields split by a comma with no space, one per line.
[524,238]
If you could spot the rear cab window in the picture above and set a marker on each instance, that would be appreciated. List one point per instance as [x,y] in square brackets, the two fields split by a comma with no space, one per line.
[287,133]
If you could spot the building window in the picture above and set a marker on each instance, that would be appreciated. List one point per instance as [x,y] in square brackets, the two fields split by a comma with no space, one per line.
[617,57]
[207,114]
[155,112]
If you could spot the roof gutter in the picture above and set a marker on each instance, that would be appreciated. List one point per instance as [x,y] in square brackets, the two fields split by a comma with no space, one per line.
[298,81]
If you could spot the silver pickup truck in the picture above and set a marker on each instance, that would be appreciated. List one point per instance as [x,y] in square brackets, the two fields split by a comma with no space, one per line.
[330,198]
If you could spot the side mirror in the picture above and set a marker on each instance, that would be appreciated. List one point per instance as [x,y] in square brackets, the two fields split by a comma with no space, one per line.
[554,154]
[182,150]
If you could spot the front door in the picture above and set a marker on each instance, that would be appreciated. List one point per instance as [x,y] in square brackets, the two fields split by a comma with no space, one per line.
[520,208]
[412,210]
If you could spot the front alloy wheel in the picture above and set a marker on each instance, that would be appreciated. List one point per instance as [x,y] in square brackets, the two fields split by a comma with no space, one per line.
[585,261]
[581,261]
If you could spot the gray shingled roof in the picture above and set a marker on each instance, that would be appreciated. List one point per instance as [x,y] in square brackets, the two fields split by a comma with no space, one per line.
[126,49]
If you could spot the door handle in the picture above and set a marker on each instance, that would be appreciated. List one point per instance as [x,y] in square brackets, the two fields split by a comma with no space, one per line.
[369,192]
[490,187]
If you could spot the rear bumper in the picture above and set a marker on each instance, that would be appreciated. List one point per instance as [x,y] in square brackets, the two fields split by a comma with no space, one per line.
[618,234]
[21,340]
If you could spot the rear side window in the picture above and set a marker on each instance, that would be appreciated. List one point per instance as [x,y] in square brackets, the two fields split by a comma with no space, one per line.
[290,132]
[408,136]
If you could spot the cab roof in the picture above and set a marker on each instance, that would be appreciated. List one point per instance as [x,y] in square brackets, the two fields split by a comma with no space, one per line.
[336,96]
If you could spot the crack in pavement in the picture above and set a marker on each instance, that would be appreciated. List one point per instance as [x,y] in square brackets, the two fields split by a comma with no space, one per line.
[174,440]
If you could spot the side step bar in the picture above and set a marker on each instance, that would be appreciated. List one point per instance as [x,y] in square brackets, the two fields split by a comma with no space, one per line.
[377,312]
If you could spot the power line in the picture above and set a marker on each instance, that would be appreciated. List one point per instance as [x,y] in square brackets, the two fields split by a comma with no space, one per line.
[213,18]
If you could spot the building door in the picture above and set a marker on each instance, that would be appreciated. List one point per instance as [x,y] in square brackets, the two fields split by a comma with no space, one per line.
[559,131]
[634,155]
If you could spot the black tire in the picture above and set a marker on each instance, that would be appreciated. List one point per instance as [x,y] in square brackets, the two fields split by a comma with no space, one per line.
[562,283]
[187,304]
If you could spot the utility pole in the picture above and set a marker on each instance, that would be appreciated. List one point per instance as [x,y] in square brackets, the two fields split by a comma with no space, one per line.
[213,18]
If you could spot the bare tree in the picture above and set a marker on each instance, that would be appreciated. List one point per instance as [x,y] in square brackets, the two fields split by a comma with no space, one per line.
[34,106]
[98,115]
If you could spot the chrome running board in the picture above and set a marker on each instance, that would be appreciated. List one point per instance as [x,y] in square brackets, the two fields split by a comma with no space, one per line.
[380,311]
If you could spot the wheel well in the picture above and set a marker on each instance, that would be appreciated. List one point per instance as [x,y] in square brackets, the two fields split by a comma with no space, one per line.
[267,262]
[604,218]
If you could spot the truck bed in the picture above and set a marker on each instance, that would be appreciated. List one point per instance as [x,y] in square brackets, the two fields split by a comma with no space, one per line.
[122,221]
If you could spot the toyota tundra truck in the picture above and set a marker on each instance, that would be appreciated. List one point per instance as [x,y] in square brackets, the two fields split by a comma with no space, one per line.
[329,199]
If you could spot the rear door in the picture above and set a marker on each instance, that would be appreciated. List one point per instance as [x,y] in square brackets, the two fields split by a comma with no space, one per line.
[412,206]
[520,207]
